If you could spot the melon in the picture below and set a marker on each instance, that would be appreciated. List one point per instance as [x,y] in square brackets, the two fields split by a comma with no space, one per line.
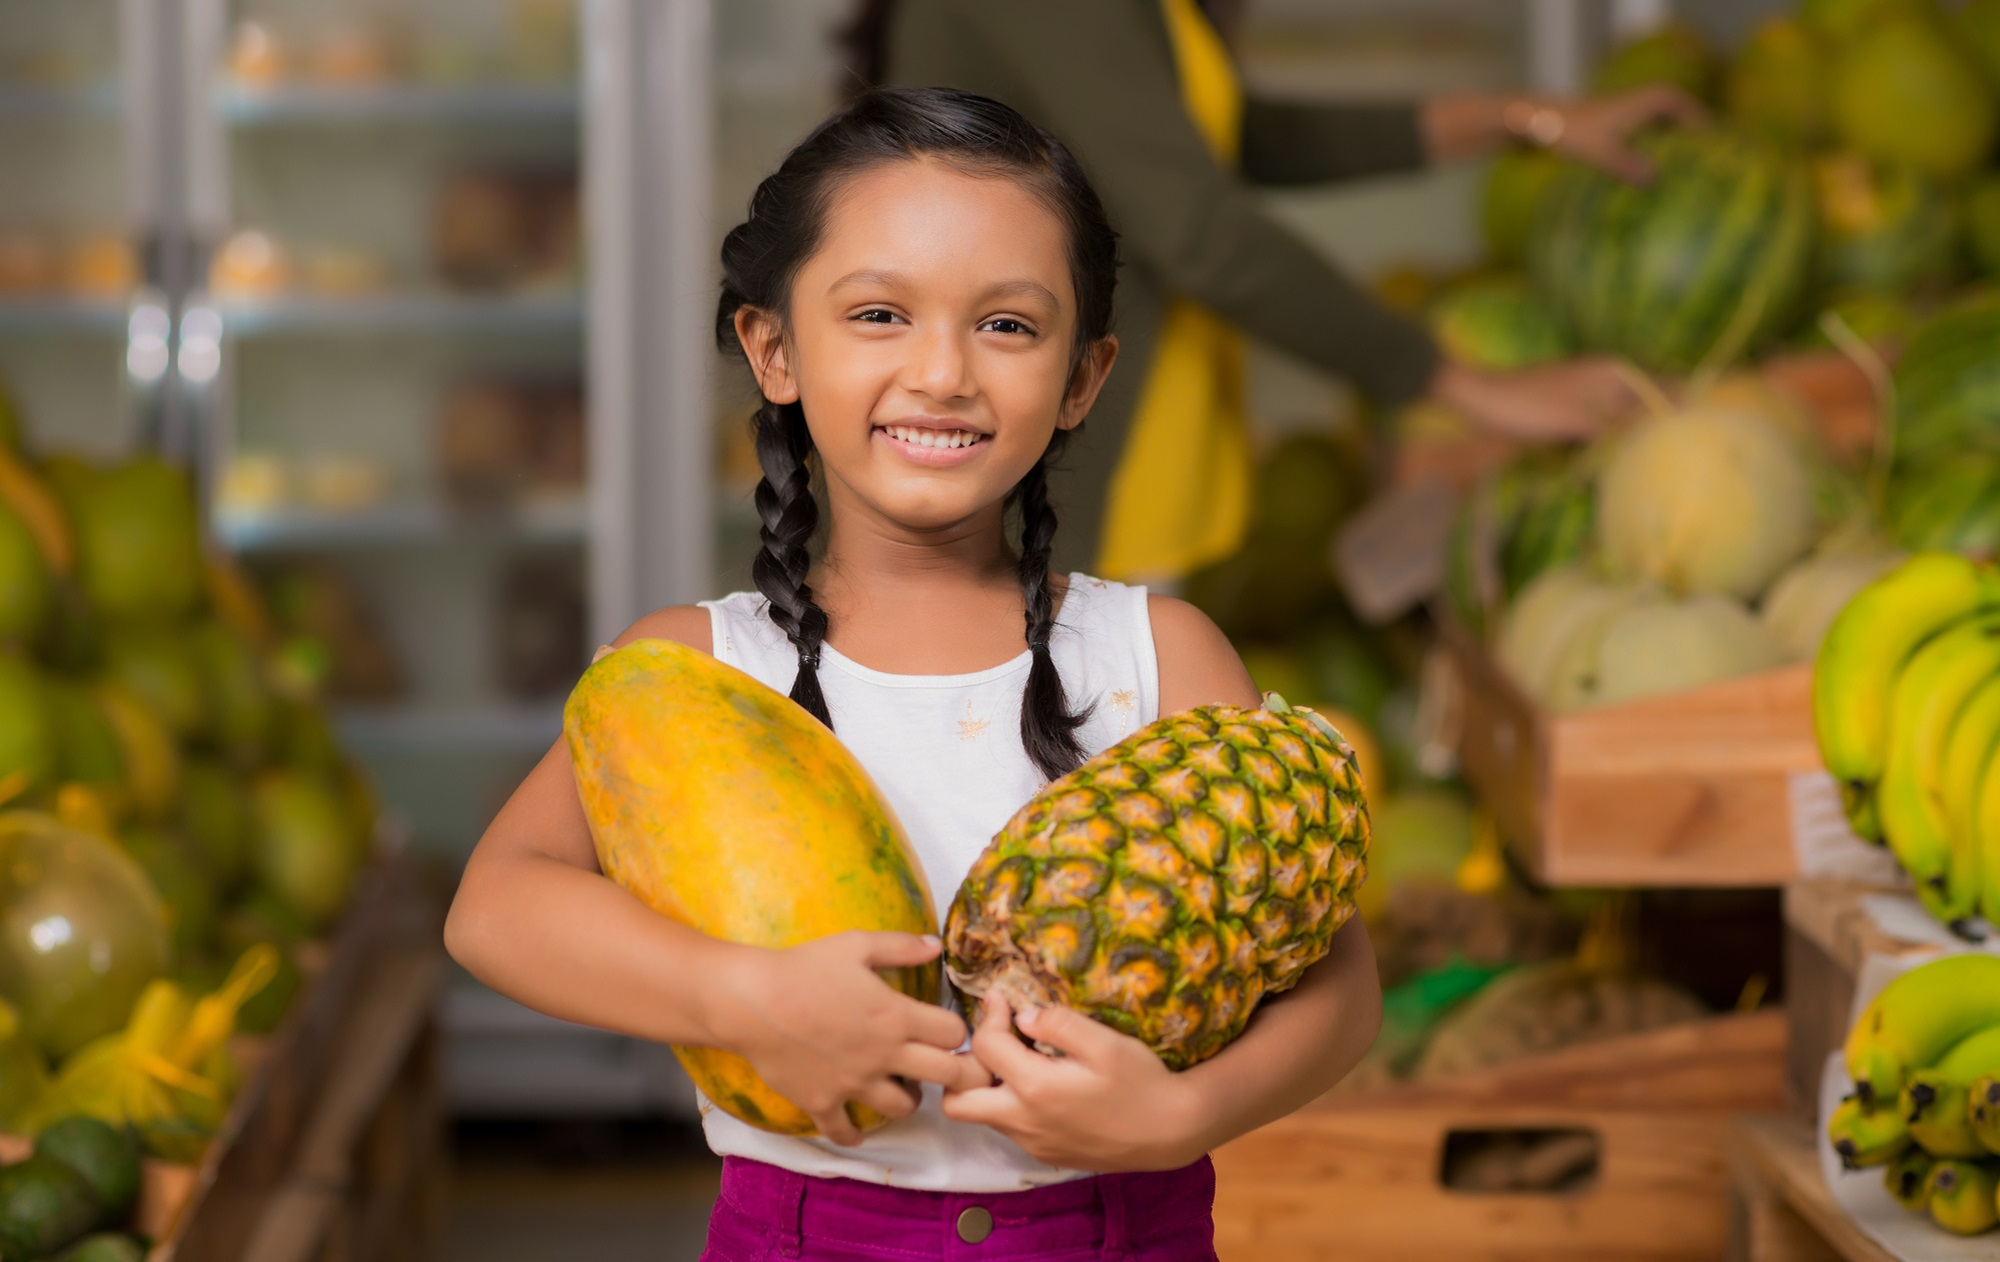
[1711,499]
[1982,224]
[1882,228]
[1908,96]
[158,665]
[1516,185]
[1871,315]
[1555,609]
[1415,838]
[1950,506]
[1529,517]
[1498,323]
[1709,261]
[1658,645]
[1948,385]
[1842,20]
[302,848]
[778,837]
[137,538]
[1675,54]
[1305,487]
[30,742]
[1802,603]
[1777,86]
[1979,34]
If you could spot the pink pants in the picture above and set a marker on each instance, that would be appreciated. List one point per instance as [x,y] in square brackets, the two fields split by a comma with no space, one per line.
[765,1213]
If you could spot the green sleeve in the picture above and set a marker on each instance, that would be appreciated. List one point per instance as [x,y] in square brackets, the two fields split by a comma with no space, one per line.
[1287,142]
[1100,75]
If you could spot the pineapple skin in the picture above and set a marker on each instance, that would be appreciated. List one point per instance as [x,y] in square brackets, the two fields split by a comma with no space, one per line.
[1169,884]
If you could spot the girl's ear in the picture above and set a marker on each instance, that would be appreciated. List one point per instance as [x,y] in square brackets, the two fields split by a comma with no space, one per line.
[1087,381]
[763,342]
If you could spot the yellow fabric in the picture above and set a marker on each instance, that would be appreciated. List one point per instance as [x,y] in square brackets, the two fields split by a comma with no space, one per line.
[1180,496]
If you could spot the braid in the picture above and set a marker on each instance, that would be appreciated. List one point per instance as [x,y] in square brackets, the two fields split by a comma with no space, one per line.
[790,516]
[1048,728]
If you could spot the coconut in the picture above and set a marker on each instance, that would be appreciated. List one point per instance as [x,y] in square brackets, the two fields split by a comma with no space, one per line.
[1802,603]
[1550,613]
[1713,499]
[1656,645]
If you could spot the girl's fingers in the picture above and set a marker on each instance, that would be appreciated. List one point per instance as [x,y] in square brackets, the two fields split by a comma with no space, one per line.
[939,1027]
[997,1107]
[930,1064]
[889,1098]
[898,950]
[1069,1032]
[994,1043]
[837,1126]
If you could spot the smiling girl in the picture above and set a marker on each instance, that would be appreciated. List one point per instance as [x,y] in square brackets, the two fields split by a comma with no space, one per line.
[923,294]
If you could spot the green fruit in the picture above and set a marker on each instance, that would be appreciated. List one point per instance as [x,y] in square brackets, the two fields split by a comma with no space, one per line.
[1908,96]
[305,739]
[106,1157]
[1842,20]
[1675,54]
[24,1075]
[1777,86]
[27,594]
[1516,184]
[1304,489]
[87,750]
[246,713]
[1882,228]
[106,1246]
[187,891]
[1499,323]
[138,538]
[44,1205]
[28,737]
[1278,670]
[1979,34]
[215,815]
[1948,385]
[261,917]
[304,852]
[1348,673]
[1265,591]
[1953,506]
[1872,316]
[81,932]
[1982,224]
[158,665]
[1709,260]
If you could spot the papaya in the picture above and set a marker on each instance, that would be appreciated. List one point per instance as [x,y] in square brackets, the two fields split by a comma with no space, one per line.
[778,838]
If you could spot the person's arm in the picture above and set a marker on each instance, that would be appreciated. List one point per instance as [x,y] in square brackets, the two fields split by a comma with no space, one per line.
[536,919]
[1310,142]
[1597,130]
[1109,1103]
[1100,75]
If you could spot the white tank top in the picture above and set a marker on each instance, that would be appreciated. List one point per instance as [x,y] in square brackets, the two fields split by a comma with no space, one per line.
[946,752]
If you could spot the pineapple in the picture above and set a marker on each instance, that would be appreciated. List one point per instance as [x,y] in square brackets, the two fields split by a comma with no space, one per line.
[1171,882]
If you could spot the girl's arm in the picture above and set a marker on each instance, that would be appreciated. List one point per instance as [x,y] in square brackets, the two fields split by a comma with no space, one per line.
[536,919]
[1109,1104]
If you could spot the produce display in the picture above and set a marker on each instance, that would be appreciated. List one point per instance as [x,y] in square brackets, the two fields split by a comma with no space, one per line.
[1906,705]
[1173,881]
[1925,1060]
[67,1198]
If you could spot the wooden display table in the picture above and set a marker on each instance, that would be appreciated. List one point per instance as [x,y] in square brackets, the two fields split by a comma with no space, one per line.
[1783,1211]
[1363,1177]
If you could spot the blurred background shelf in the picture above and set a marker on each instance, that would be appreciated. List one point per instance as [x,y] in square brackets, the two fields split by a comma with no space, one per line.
[498,726]
[397,103]
[554,521]
[105,316]
[22,101]
[440,313]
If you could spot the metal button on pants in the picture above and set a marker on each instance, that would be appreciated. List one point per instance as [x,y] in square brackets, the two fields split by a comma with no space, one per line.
[975,1224]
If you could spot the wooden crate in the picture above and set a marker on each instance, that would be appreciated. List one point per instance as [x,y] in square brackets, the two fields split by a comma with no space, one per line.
[1782,1211]
[1684,791]
[1359,1177]
[1828,936]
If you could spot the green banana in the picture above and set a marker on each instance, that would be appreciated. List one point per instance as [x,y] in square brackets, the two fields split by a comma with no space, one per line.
[1983,1111]
[1963,1196]
[1986,830]
[1865,649]
[1927,698]
[1867,1137]
[1917,1018]
[1934,1100]
[1969,752]
[1908,1180]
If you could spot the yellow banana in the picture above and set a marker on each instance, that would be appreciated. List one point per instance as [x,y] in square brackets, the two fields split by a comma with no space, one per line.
[1986,838]
[1867,1137]
[1917,1018]
[1865,649]
[32,500]
[1983,1111]
[1929,694]
[1934,1099]
[1969,751]
[1908,1180]
[237,601]
[1962,1196]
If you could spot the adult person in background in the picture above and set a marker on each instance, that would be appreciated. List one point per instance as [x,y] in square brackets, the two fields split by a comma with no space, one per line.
[1147,96]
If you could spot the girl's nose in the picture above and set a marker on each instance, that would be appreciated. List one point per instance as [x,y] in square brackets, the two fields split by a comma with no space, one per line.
[939,366]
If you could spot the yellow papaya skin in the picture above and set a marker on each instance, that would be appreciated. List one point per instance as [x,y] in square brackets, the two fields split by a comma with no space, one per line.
[723,805]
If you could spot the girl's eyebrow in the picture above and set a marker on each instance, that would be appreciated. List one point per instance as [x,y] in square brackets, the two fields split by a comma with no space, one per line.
[874,277]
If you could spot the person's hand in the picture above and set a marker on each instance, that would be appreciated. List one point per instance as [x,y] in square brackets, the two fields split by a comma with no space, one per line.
[1572,400]
[1108,1103]
[821,1028]
[1598,130]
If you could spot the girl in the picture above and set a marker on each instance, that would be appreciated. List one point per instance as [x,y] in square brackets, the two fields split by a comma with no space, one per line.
[923,293]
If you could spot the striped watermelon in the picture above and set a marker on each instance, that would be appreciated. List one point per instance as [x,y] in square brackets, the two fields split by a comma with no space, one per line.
[1948,385]
[1951,506]
[1530,517]
[1717,249]
[1499,323]
[1880,227]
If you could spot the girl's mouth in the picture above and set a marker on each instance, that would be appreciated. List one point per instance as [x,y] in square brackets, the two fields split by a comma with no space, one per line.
[934,447]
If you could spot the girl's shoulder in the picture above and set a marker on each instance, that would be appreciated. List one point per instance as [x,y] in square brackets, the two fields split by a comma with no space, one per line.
[683,624]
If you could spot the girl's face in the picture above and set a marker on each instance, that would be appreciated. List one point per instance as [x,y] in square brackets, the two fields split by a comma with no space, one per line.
[930,340]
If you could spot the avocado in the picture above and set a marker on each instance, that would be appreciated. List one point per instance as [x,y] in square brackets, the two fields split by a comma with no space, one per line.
[106,1246]
[43,1206]
[106,1156]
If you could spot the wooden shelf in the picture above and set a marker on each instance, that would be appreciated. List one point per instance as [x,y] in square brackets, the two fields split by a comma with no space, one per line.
[1784,1212]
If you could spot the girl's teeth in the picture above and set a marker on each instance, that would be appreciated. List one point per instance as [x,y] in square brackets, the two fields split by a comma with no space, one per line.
[932,438]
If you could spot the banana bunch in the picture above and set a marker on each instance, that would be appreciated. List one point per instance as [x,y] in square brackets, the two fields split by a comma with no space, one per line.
[1925,1060]
[1906,706]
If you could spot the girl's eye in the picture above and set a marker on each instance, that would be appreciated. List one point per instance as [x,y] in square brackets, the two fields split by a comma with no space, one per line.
[1006,324]
[877,316]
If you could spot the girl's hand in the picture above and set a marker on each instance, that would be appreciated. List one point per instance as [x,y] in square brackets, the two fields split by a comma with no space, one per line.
[1599,130]
[1571,400]
[1106,1104]
[822,1028]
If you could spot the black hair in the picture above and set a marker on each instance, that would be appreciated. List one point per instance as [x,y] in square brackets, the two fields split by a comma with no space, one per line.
[762,256]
